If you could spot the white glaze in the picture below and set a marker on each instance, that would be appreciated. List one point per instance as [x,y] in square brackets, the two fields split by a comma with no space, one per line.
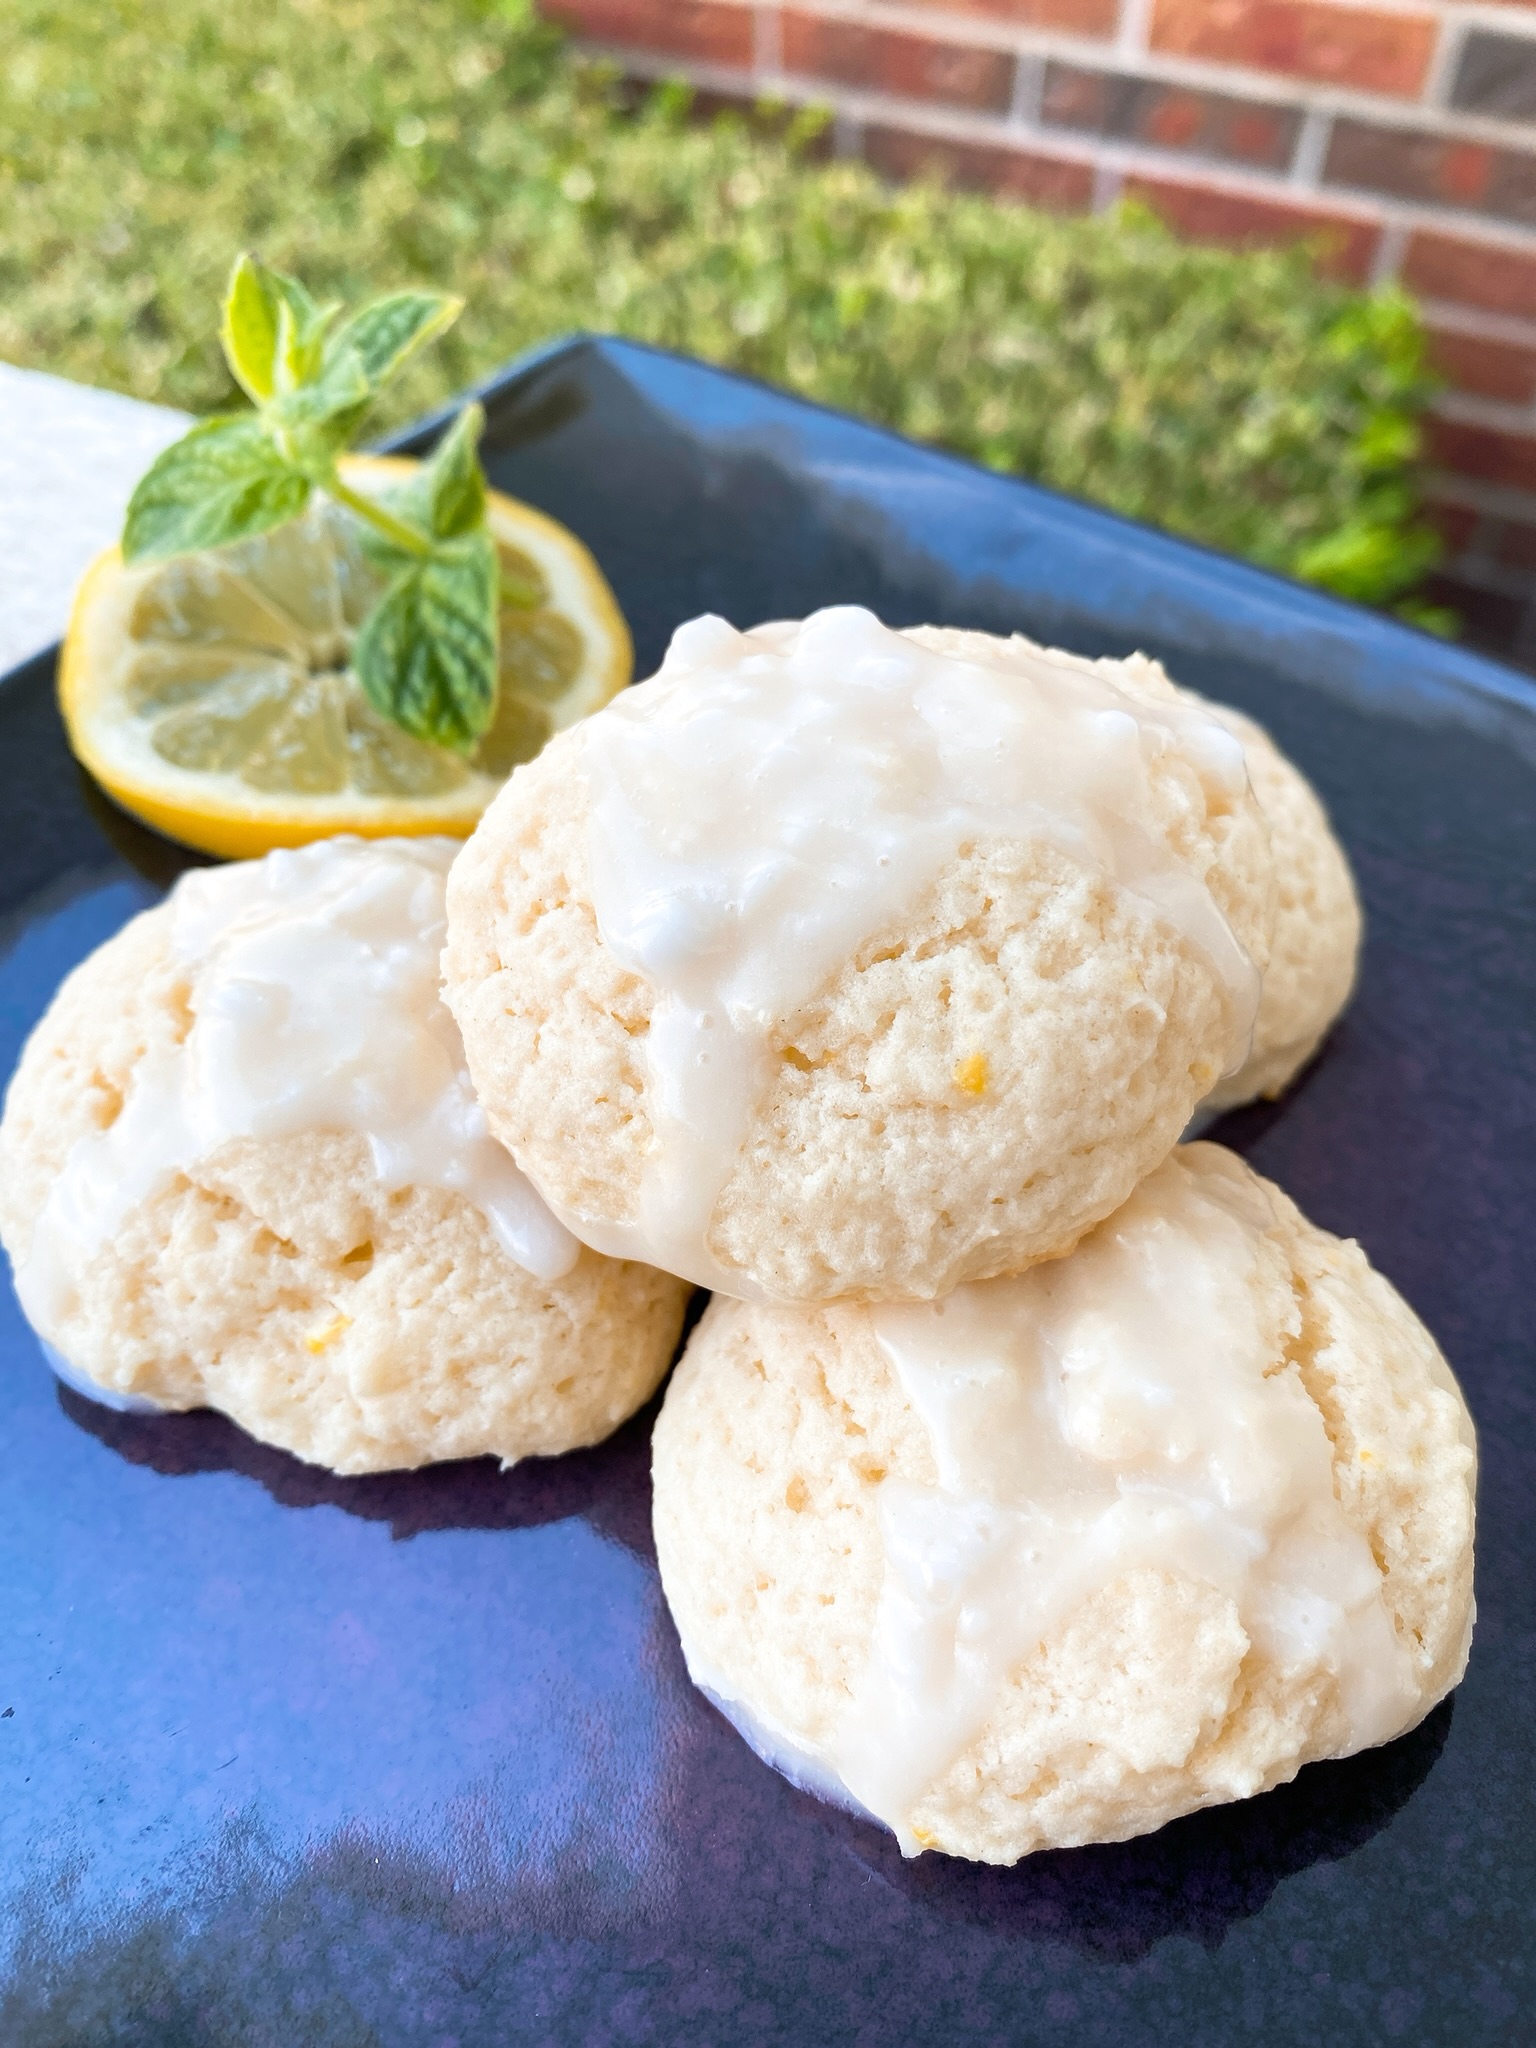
[770,800]
[314,991]
[807,1769]
[1108,1412]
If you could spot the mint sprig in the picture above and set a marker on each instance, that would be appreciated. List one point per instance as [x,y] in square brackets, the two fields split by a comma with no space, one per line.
[223,481]
[425,656]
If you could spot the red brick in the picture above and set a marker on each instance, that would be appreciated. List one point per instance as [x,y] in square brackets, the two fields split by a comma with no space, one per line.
[1454,523]
[1077,17]
[1208,215]
[1492,369]
[1350,46]
[1173,118]
[1497,76]
[1411,164]
[888,60]
[1169,117]
[676,28]
[1054,182]
[1490,619]
[1473,273]
[1485,452]
[1073,98]
[1517,546]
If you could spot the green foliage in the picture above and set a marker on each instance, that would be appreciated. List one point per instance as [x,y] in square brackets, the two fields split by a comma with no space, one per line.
[426,654]
[453,483]
[1240,399]
[222,481]
[384,334]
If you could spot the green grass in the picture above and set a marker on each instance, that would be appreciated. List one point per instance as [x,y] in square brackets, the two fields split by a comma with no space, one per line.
[1242,399]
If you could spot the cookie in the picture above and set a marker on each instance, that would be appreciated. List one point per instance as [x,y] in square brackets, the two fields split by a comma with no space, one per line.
[1071,1553]
[825,965]
[1314,938]
[241,1166]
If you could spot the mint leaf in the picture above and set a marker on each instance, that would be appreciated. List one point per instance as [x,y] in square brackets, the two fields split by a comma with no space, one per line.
[249,330]
[319,419]
[446,497]
[299,342]
[287,291]
[452,486]
[393,328]
[426,656]
[273,331]
[224,481]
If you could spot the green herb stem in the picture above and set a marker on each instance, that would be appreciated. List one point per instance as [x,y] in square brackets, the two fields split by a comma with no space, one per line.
[393,529]
[513,591]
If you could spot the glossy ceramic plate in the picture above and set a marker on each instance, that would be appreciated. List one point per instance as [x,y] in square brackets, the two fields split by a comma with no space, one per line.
[413,1762]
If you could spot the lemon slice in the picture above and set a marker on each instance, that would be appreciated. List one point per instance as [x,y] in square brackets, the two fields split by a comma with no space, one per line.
[212,696]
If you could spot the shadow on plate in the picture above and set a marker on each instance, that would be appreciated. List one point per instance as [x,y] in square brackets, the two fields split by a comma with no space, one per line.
[1197,1876]
[159,860]
[609,1485]
[1241,1129]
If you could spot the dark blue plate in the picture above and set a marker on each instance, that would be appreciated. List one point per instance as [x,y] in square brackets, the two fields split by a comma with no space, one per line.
[413,1762]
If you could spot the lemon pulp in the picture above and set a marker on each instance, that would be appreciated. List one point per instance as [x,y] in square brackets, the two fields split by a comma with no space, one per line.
[213,694]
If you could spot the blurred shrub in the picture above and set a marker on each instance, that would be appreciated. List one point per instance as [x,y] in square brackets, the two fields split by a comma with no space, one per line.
[1240,399]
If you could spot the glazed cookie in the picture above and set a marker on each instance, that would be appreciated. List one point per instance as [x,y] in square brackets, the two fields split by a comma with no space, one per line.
[1068,1554]
[1314,941]
[241,1167]
[827,965]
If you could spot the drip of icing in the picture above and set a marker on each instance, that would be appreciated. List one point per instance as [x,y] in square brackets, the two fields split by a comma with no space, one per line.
[770,800]
[315,1006]
[805,1768]
[1111,1411]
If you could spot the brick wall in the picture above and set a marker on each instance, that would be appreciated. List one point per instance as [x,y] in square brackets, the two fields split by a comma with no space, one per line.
[1408,127]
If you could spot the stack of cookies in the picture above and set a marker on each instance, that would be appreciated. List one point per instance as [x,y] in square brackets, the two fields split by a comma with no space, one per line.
[1031,1477]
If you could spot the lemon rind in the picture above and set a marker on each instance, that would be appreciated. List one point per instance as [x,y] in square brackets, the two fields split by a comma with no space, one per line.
[219,813]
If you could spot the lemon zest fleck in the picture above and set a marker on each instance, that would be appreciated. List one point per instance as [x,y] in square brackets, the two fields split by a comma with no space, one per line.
[327,1333]
[971,1073]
